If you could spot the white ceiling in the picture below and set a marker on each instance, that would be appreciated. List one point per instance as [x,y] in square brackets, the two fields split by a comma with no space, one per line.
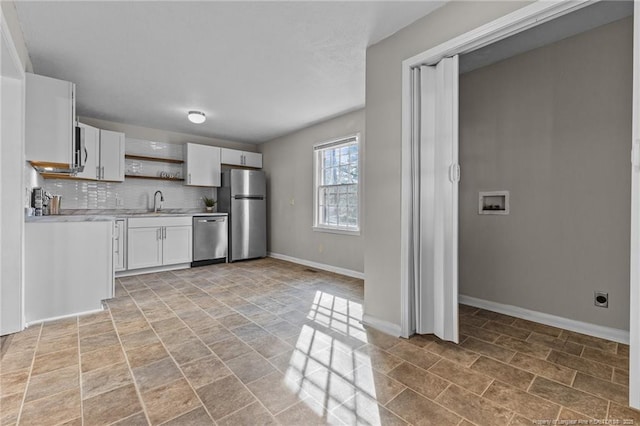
[257,69]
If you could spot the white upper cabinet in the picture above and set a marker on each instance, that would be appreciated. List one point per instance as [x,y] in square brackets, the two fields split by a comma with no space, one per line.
[103,154]
[112,155]
[235,157]
[201,165]
[50,111]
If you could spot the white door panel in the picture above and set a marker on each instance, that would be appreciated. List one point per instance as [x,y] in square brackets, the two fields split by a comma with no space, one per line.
[91,152]
[112,155]
[144,247]
[176,245]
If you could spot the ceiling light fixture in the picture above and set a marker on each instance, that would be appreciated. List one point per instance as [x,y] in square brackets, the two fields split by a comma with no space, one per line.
[197,117]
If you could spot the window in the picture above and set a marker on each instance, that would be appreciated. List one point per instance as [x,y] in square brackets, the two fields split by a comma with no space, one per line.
[337,191]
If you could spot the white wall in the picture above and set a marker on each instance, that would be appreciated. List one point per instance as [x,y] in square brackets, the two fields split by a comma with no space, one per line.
[384,134]
[553,127]
[288,163]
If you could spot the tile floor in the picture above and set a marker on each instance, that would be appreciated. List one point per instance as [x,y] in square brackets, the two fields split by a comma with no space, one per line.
[268,342]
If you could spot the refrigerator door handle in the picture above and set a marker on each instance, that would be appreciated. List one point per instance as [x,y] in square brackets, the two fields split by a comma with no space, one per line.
[248,197]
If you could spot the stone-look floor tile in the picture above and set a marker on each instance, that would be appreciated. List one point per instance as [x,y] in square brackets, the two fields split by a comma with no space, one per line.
[141,338]
[558,344]
[594,342]
[339,361]
[308,412]
[623,350]
[462,376]
[102,357]
[10,405]
[59,343]
[230,348]
[224,397]
[13,382]
[494,316]
[511,375]
[453,352]
[269,346]
[168,324]
[567,414]
[418,410]
[111,406]
[130,327]
[537,327]
[139,419]
[98,341]
[414,355]
[20,345]
[488,349]
[156,374]
[421,340]
[282,329]
[473,320]
[521,402]
[177,337]
[479,410]
[54,361]
[507,330]
[379,359]
[419,380]
[479,332]
[59,327]
[516,420]
[362,409]
[524,347]
[250,332]
[275,393]
[189,352]
[250,367]
[143,355]
[233,320]
[96,328]
[105,379]
[204,371]
[54,409]
[214,334]
[602,388]
[93,318]
[325,387]
[620,377]
[608,358]
[376,385]
[569,397]
[380,339]
[197,417]
[169,401]
[53,382]
[543,368]
[617,411]
[254,414]
[17,361]
[584,365]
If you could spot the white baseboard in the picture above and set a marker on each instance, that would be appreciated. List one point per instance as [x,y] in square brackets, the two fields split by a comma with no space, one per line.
[322,266]
[382,325]
[614,334]
[40,321]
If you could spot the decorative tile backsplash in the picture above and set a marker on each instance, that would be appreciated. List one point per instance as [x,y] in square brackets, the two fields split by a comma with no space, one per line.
[133,193]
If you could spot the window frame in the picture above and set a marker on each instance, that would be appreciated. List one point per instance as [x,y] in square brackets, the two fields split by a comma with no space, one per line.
[317,170]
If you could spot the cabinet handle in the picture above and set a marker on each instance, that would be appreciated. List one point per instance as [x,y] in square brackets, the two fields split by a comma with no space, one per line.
[102,172]
[164,232]
[158,233]
[97,172]
[189,178]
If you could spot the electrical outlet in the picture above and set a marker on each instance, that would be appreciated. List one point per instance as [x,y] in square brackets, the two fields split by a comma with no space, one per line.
[601,299]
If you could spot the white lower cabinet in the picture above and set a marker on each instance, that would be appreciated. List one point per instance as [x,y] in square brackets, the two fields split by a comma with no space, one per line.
[119,246]
[153,242]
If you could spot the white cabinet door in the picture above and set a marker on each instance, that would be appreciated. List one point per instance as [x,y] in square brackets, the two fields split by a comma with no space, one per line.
[49,119]
[176,245]
[231,156]
[112,155]
[202,165]
[91,154]
[119,246]
[144,247]
[253,159]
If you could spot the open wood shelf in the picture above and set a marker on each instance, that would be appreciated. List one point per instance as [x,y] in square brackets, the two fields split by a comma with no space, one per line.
[144,158]
[153,177]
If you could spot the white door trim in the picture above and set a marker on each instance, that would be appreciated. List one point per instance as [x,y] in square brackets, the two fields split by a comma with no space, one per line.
[634,297]
[508,25]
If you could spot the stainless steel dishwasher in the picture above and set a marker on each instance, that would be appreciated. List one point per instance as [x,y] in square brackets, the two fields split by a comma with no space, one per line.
[210,239]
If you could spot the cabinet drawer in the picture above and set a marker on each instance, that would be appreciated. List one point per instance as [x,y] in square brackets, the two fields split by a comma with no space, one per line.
[147,222]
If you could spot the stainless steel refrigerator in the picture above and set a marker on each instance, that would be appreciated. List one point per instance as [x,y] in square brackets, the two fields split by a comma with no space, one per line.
[243,196]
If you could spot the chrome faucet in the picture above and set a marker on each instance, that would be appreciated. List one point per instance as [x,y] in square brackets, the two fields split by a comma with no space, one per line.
[155,207]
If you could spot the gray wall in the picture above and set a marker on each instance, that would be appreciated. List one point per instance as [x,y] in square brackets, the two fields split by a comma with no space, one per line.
[552,126]
[288,163]
[384,133]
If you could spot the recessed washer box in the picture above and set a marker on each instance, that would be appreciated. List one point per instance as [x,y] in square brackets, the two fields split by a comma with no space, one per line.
[493,202]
